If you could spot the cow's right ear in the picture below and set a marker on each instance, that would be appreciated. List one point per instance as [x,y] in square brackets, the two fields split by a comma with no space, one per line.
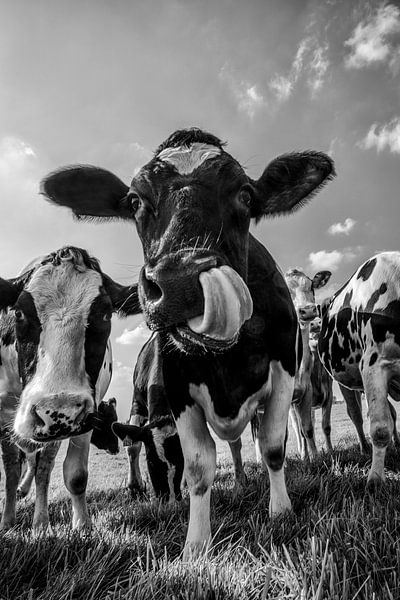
[88,191]
[10,289]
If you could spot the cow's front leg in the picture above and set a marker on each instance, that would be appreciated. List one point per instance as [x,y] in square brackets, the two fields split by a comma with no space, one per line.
[240,475]
[12,468]
[199,454]
[375,380]
[272,436]
[43,468]
[75,470]
[354,410]
[304,411]
[27,478]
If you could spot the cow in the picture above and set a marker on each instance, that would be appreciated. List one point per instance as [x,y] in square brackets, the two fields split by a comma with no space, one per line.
[55,367]
[226,323]
[302,289]
[359,345]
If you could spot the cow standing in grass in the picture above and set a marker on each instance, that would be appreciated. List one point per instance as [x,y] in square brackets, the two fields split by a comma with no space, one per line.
[359,345]
[226,323]
[55,367]
[302,289]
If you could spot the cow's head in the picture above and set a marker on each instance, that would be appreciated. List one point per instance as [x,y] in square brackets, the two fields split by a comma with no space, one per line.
[103,436]
[302,290]
[62,311]
[192,205]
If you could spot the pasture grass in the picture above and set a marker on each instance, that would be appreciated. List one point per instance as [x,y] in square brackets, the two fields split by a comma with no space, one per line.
[340,542]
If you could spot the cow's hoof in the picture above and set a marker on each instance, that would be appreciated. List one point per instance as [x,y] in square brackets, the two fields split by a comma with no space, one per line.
[279,507]
[366,449]
[194,550]
[137,491]
[240,487]
[375,483]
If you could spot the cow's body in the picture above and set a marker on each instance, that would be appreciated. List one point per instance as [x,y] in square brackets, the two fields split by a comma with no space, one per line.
[226,323]
[302,289]
[360,344]
[56,363]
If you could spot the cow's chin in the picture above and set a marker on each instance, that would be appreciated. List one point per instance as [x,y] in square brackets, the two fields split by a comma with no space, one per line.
[227,305]
[190,342]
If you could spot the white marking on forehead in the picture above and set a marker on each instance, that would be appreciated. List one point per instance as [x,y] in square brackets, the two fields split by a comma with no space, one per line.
[186,159]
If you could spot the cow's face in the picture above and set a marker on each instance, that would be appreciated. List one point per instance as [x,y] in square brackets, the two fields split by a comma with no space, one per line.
[192,205]
[302,290]
[62,311]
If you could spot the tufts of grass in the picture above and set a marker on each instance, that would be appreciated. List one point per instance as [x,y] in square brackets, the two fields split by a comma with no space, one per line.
[339,543]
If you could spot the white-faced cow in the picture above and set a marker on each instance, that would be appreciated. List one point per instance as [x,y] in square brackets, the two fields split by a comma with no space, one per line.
[55,367]
[359,345]
[302,289]
[222,309]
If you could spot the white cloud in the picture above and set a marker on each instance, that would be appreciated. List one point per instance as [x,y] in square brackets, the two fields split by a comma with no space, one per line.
[331,260]
[248,97]
[134,337]
[17,162]
[310,60]
[342,228]
[372,40]
[383,136]
[122,375]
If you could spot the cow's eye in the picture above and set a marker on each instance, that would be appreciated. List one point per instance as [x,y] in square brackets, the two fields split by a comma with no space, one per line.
[245,197]
[19,315]
[106,317]
[135,202]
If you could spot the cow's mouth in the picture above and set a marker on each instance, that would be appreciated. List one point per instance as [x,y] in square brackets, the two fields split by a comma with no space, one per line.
[227,305]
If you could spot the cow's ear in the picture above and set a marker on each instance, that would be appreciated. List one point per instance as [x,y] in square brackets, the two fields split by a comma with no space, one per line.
[112,401]
[124,298]
[10,289]
[289,181]
[320,279]
[88,191]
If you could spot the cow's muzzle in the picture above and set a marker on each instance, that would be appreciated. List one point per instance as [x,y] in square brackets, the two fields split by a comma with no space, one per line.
[53,417]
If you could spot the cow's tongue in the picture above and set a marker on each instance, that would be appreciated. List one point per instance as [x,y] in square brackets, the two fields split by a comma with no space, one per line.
[227,304]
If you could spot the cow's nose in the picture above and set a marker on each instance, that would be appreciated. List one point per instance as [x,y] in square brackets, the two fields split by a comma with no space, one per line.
[46,417]
[151,288]
[308,313]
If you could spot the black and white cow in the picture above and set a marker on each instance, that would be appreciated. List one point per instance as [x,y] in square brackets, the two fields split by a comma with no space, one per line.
[302,289]
[359,345]
[55,367]
[223,312]
[151,423]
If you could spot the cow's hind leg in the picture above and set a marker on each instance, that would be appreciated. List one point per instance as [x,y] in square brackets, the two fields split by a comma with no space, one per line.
[296,424]
[375,380]
[354,410]
[12,468]
[43,468]
[326,421]
[240,475]
[199,454]
[75,469]
[272,436]
[304,412]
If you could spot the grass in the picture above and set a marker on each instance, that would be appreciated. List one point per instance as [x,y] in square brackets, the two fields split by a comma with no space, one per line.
[340,543]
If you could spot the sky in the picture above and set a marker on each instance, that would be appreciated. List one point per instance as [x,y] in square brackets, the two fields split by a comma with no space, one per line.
[106,81]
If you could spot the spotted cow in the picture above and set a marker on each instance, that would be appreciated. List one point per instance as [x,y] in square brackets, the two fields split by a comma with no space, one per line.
[359,345]
[302,289]
[55,368]
[225,320]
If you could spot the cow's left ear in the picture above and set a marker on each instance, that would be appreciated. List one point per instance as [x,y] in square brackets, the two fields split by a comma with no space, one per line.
[10,289]
[290,181]
[124,298]
[320,279]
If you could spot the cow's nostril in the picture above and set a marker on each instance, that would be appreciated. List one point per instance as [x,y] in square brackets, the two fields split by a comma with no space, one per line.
[152,291]
[38,421]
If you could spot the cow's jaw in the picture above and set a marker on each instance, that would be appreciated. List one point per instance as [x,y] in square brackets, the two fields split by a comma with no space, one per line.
[227,305]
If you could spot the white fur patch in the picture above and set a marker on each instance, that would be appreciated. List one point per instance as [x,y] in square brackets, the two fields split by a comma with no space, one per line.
[186,159]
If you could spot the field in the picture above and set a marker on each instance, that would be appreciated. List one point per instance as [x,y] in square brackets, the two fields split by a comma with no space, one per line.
[340,542]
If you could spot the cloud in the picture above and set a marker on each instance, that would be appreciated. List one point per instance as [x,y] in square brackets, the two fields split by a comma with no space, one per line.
[372,43]
[122,375]
[17,164]
[342,228]
[311,60]
[248,97]
[331,260]
[383,136]
[134,337]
